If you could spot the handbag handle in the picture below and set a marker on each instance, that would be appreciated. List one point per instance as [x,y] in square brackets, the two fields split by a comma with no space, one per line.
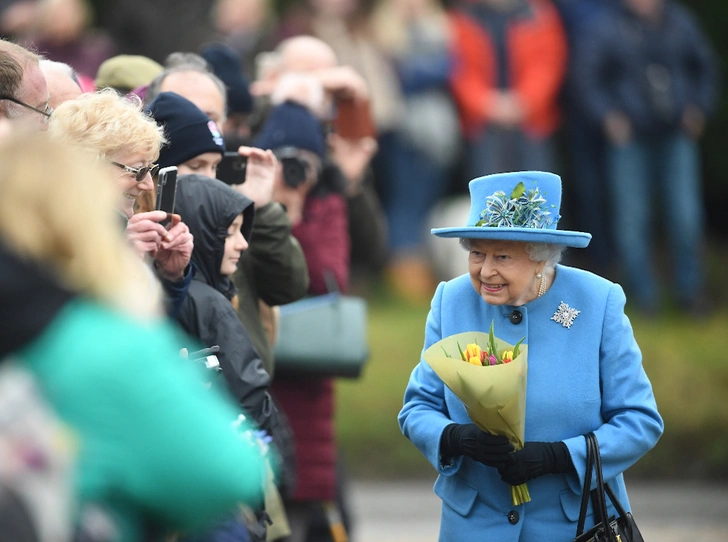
[594,461]
[587,487]
[332,285]
[601,497]
[618,505]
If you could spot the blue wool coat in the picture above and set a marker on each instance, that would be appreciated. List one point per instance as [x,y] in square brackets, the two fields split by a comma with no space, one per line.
[585,378]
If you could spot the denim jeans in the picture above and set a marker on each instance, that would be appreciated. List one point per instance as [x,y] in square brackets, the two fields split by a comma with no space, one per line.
[414,184]
[588,185]
[643,174]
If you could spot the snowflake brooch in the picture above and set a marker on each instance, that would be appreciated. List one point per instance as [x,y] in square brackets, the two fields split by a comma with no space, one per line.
[565,315]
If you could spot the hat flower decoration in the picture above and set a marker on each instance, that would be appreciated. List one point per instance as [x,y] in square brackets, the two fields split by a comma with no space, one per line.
[518,206]
[523,208]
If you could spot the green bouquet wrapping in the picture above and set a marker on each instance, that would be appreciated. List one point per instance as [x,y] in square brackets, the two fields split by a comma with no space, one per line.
[489,376]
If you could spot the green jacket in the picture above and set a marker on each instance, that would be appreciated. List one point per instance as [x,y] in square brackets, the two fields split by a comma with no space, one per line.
[273,270]
[155,447]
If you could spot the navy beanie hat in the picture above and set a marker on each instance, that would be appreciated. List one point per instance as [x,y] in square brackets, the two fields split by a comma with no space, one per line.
[225,63]
[188,130]
[292,125]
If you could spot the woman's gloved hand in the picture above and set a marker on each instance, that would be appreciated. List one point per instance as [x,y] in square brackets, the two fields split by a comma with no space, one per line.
[536,459]
[469,440]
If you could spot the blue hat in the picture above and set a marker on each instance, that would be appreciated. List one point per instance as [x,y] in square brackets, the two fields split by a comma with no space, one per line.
[188,130]
[519,206]
[225,63]
[292,125]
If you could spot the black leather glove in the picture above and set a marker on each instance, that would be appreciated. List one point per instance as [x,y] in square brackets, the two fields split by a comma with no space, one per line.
[537,459]
[468,440]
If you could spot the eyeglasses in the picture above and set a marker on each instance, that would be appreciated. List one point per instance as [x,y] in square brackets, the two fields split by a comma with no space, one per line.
[139,173]
[46,112]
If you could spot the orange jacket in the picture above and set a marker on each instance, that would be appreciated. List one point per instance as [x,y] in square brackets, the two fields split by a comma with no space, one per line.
[537,66]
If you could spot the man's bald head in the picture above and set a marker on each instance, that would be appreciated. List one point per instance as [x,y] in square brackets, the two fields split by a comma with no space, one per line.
[189,75]
[304,54]
[201,90]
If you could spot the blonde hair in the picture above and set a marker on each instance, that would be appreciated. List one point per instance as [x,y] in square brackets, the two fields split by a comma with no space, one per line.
[49,215]
[107,124]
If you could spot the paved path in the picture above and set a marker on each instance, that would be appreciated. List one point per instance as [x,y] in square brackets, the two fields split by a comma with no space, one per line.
[409,511]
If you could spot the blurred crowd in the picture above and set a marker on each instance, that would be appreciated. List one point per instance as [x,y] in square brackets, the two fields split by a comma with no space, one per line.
[610,94]
[316,144]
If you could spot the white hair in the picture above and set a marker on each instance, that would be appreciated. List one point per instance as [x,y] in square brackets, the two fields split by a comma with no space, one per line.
[550,253]
[57,67]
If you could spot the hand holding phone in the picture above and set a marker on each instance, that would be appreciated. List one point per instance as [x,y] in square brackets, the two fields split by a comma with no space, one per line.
[353,119]
[260,174]
[146,233]
[175,249]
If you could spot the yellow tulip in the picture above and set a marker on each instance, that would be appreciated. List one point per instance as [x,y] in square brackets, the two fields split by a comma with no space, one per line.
[507,356]
[472,351]
[473,354]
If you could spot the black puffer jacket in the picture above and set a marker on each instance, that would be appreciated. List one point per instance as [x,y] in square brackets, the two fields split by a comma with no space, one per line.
[208,207]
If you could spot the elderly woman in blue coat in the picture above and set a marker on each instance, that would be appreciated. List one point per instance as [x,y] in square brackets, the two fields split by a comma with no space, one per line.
[584,371]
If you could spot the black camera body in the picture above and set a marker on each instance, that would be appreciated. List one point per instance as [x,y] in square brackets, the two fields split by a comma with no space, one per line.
[294,168]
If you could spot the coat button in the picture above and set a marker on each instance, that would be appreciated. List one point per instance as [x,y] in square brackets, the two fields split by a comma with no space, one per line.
[513,517]
[516,317]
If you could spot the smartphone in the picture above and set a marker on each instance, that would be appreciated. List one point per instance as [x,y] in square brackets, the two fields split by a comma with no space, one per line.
[166,190]
[232,168]
[198,354]
[353,119]
[207,356]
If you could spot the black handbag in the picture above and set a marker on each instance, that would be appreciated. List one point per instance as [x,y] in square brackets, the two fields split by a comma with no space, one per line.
[608,528]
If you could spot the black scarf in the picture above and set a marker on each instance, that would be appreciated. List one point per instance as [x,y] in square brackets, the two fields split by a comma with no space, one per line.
[29,300]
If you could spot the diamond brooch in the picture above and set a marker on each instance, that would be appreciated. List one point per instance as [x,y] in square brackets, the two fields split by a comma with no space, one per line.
[565,315]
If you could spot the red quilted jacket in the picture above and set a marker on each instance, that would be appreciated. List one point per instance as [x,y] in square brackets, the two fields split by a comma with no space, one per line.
[309,402]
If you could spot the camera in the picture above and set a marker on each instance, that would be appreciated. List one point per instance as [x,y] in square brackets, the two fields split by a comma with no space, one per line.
[294,168]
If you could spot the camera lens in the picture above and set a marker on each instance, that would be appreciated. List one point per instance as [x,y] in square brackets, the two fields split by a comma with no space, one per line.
[294,171]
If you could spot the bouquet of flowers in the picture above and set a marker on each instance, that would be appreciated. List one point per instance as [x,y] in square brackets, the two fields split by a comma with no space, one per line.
[489,377]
